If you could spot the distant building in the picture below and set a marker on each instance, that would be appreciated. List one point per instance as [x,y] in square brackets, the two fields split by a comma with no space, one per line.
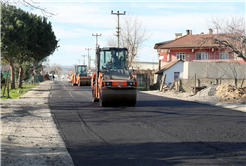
[173,71]
[145,65]
[189,48]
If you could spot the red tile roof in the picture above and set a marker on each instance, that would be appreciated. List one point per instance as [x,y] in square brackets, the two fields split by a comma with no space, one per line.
[161,43]
[190,41]
[167,66]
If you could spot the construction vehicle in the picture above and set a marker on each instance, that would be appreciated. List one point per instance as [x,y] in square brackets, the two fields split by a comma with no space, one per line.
[113,82]
[69,76]
[80,76]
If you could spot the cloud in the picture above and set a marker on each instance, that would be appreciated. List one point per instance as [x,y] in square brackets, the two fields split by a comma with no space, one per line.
[73,48]
[166,26]
[199,6]
[162,5]
[87,14]
[64,32]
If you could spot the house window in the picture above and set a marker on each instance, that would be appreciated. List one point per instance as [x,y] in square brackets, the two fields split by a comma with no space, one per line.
[201,55]
[176,75]
[224,55]
[181,55]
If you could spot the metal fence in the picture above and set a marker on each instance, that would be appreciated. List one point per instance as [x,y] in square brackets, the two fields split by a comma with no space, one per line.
[143,80]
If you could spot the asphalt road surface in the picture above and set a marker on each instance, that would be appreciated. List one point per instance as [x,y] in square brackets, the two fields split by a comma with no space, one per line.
[157,131]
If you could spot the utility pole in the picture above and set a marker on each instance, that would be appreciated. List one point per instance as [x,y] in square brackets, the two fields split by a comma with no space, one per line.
[118,26]
[84,58]
[89,58]
[79,61]
[96,38]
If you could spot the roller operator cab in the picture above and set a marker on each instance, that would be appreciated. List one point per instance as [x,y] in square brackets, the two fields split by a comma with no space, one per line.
[113,83]
[80,77]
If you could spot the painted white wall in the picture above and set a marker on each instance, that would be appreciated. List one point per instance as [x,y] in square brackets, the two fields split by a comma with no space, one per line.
[178,67]
[185,70]
[214,70]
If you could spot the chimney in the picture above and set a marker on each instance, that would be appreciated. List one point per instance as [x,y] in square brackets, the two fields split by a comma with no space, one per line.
[178,35]
[210,32]
[187,32]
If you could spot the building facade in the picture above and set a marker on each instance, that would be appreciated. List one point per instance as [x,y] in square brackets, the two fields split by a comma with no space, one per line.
[193,48]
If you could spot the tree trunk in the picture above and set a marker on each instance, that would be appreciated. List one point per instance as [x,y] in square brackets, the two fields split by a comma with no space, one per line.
[20,77]
[244,59]
[12,78]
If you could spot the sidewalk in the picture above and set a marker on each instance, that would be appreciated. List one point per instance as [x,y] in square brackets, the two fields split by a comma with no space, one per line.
[28,133]
[200,99]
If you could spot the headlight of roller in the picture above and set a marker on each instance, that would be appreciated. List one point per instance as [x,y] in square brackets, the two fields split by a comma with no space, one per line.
[131,83]
[107,83]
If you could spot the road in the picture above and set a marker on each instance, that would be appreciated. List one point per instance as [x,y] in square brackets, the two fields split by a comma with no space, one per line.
[157,131]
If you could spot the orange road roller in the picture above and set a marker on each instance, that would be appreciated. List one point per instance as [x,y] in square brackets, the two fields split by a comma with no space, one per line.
[113,83]
[80,77]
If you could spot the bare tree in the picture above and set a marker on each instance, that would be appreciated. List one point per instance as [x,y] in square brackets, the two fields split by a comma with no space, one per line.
[32,5]
[132,36]
[57,68]
[231,35]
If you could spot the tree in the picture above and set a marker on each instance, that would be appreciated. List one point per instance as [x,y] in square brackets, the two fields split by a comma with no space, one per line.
[12,35]
[25,37]
[57,68]
[2,80]
[28,68]
[41,42]
[9,21]
[132,36]
[28,3]
[231,35]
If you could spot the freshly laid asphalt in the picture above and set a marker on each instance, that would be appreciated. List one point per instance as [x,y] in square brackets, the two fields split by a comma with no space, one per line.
[29,135]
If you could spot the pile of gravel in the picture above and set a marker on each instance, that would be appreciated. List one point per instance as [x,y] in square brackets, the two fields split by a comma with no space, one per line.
[209,91]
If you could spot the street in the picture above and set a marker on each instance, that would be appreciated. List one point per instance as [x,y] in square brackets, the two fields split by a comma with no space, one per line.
[157,131]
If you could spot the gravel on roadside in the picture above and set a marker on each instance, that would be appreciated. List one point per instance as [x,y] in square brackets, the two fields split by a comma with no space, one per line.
[29,135]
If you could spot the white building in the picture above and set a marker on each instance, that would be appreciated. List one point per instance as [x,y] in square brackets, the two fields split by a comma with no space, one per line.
[187,70]
[145,65]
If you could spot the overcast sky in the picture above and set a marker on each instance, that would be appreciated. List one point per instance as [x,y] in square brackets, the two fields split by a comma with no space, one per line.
[77,20]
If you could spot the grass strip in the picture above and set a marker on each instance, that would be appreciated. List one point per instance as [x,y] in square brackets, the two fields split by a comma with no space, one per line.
[17,92]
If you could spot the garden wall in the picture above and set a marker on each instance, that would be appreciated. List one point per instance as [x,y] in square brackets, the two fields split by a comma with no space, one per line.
[187,85]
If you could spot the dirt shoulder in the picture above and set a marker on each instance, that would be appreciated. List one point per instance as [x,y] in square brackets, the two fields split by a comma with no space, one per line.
[218,95]
[29,135]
